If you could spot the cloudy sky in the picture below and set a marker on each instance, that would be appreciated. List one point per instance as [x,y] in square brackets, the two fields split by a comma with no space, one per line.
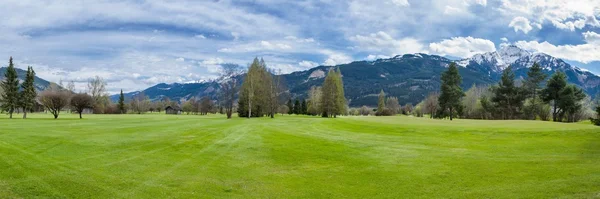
[135,44]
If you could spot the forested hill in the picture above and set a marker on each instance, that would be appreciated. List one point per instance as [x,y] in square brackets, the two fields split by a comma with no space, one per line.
[409,77]
[40,84]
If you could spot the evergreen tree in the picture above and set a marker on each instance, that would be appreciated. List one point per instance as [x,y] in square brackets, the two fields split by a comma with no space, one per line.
[507,97]
[570,102]
[451,92]
[28,93]
[304,107]
[121,104]
[10,85]
[297,108]
[290,107]
[381,103]
[552,92]
[535,77]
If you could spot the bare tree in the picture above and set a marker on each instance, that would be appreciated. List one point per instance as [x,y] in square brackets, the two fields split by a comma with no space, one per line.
[206,105]
[81,101]
[54,101]
[97,89]
[431,104]
[229,86]
[71,86]
[140,103]
[277,88]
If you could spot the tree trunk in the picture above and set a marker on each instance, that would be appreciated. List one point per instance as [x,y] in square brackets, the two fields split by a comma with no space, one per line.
[24,114]
[10,114]
[451,114]
[249,108]
[80,115]
[554,113]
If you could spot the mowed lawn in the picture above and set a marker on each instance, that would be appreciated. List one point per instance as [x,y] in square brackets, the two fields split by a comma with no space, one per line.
[186,156]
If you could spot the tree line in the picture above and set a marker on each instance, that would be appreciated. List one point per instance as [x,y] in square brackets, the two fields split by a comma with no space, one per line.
[535,97]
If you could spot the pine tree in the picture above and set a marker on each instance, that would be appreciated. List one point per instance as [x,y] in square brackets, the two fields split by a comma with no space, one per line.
[297,108]
[535,77]
[10,85]
[381,103]
[28,93]
[570,102]
[304,107]
[451,92]
[552,92]
[122,103]
[507,97]
[290,107]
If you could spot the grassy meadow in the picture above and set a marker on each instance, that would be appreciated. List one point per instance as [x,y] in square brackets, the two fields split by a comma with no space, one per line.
[188,156]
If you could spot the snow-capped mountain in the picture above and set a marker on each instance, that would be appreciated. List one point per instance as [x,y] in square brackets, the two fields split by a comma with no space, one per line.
[497,61]
[493,63]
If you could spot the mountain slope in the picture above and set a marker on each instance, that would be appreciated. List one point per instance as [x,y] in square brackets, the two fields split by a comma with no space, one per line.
[409,77]
[40,84]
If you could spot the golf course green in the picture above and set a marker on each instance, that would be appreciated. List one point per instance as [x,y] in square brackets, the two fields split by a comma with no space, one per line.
[191,156]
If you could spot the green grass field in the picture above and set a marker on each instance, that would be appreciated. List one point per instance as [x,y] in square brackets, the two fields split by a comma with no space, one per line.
[160,156]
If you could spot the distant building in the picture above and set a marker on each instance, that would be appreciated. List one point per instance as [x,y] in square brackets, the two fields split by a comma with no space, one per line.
[173,110]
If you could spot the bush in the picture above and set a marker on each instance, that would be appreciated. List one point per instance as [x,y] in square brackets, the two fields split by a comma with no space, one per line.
[545,112]
[385,112]
[596,121]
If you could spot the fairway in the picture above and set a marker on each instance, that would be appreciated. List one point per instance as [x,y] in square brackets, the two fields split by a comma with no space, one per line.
[186,156]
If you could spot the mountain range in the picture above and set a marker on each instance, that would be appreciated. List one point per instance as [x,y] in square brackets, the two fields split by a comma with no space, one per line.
[409,77]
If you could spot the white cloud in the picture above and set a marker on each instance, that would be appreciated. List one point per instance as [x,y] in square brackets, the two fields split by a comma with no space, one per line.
[200,36]
[584,53]
[381,42]
[308,64]
[520,24]
[374,57]
[462,46]
[257,46]
[276,46]
[563,14]
[402,3]
[591,37]
[296,39]
[504,39]
[235,35]
[335,58]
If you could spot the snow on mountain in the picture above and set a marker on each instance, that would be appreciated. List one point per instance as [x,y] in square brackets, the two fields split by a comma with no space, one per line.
[499,60]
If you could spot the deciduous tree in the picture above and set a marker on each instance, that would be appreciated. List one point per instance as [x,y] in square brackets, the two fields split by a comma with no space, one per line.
[54,101]
[80,102]
[229,86]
